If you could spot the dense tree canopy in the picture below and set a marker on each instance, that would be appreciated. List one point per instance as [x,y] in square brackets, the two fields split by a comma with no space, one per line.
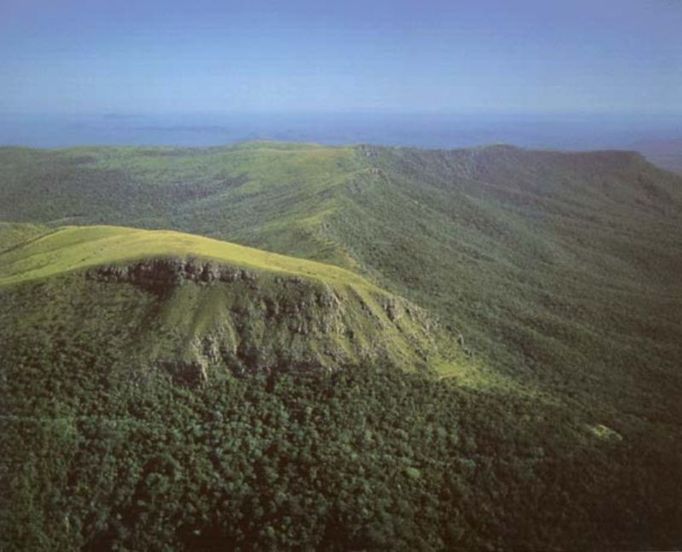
[365,458]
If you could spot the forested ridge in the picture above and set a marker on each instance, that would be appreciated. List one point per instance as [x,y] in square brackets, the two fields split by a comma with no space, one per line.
[484,355]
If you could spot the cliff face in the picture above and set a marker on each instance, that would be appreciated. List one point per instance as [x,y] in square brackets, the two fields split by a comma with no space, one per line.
[197,308]
[205,318]
[161,275]
[162,272]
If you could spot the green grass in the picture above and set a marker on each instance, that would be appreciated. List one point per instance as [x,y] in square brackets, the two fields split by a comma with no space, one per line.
[272,189]
[76,248]
[561,272]
[288,311]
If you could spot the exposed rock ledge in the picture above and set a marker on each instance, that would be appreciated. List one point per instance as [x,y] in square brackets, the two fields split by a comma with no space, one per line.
[159,274]
[247,321]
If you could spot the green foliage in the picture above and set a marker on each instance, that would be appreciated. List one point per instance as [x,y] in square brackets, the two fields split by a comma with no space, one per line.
[559,271]
[197,302]
[538,258]
[12,234]
[365,458]
[75,248]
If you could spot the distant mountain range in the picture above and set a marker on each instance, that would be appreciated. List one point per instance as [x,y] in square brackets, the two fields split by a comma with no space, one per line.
[542,287]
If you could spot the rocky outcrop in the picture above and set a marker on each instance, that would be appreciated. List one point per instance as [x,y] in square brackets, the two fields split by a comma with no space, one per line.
[206,318]
[160,274]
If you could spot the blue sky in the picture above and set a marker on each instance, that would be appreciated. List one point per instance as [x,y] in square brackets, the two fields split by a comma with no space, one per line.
[492,56]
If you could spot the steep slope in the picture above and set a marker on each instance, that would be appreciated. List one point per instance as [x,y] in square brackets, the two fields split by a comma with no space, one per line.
[195,305]
[260,193]
[561,269]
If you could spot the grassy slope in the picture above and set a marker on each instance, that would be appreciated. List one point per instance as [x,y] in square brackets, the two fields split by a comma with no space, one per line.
[262,194]
[596,321]
[75,248]
[288,311]
[454,231]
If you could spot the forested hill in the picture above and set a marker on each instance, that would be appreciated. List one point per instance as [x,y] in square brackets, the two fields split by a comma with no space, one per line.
[536,257]
[484,355]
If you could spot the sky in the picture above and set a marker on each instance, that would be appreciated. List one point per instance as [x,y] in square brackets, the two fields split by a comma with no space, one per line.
[222,56]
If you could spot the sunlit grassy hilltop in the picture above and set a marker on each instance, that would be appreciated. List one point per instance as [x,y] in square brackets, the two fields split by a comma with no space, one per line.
[237,299]
[169,391]
[75,248]
[535,257]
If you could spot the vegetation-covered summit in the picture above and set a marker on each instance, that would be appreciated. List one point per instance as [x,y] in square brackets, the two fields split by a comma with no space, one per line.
[200,305]
[560,271]
[73,248]
[537,258]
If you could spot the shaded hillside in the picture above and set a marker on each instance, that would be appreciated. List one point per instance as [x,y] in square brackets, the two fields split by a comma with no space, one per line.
[157,389]
[167,391]
[560,268]
[564,268]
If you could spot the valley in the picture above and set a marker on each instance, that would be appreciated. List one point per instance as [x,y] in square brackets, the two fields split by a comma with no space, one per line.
[342,347]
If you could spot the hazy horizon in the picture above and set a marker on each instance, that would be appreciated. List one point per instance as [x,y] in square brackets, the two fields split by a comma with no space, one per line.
[430,130]
[573,75]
